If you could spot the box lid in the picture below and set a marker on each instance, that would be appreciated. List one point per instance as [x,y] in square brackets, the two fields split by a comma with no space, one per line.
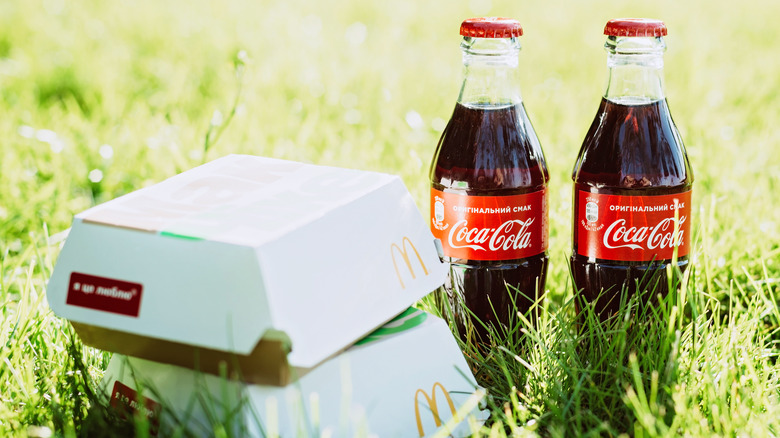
[245,247]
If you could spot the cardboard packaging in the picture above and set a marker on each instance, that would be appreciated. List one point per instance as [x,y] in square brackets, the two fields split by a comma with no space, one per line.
[267,265]
[407,379]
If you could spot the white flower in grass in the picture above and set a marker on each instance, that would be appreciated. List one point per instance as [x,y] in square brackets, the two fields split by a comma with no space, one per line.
[153,142]
[438,124]
[353,117]
[26,131]
[414,120]
[217,119]
[95,175]
[106,151]
[57,145]
[39,432]
[356,34]
[45,135]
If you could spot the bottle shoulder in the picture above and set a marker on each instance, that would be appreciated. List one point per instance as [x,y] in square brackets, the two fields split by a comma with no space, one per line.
[633,146]
[489,148]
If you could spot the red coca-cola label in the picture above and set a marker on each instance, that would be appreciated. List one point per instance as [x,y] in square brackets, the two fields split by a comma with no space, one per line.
[126,401]
[633,228]
[106,294]
[490,227]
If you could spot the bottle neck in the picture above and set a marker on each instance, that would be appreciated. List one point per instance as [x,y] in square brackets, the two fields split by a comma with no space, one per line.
[490,72]
[636,68]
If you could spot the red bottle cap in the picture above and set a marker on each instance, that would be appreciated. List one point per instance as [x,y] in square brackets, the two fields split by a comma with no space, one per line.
[491,27]
[635,27]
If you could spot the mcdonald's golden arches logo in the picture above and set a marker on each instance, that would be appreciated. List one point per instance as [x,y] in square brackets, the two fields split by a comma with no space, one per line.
[403,251]
[433,406]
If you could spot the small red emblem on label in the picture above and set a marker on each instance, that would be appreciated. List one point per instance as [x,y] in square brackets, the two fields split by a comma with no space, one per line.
[127,403]
[106,294]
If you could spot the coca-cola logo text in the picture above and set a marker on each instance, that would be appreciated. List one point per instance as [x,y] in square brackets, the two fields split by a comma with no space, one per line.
[512,234]
[663,235]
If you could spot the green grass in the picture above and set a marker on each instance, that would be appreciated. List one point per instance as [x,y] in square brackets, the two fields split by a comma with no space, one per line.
[101,98]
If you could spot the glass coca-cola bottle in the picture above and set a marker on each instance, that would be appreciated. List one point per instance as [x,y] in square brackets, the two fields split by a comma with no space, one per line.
[632,179]
[489,185]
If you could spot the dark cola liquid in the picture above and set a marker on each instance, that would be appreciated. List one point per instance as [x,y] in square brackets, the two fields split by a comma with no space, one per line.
[491,151]
[630,149]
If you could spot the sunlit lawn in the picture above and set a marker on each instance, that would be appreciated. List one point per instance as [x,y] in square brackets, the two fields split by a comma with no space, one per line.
[101,98]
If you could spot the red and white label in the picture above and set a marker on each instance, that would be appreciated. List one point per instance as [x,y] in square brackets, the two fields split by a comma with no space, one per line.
[106,294]
[633,228]
[490,227]
[126,401]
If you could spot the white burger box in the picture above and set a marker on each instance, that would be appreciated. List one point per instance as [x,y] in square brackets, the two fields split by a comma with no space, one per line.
[266,265]
[407,379]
